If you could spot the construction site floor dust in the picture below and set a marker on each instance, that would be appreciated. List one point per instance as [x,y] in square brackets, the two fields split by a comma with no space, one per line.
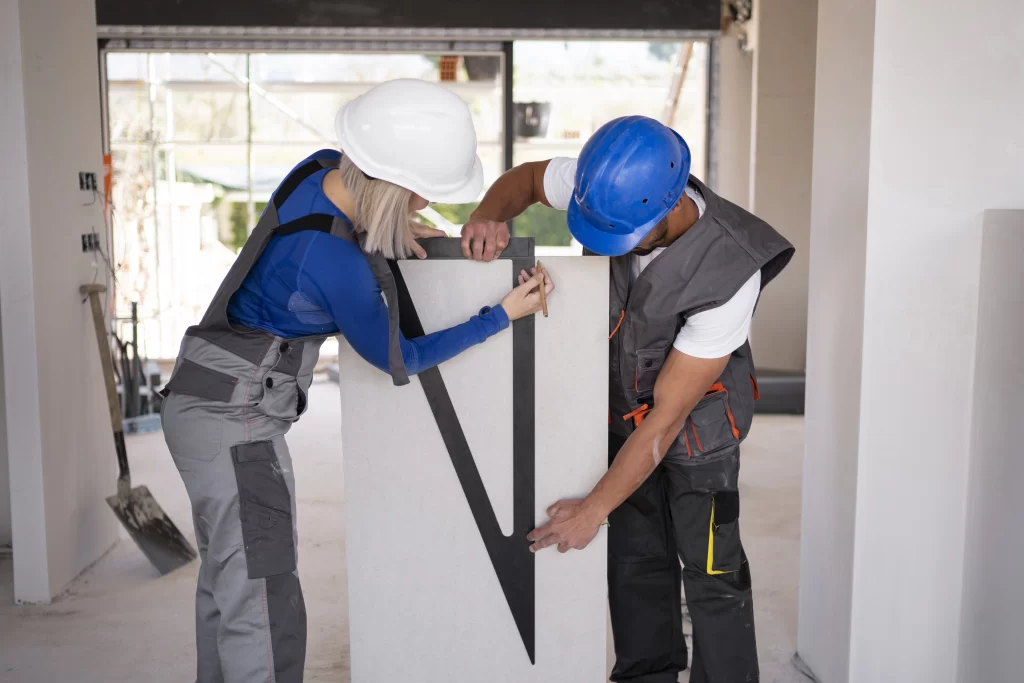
[121,622]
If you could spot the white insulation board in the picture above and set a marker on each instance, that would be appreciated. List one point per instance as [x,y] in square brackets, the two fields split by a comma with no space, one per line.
[425,604]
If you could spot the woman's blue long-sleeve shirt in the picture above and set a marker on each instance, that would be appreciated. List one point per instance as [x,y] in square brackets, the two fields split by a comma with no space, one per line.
[311,283]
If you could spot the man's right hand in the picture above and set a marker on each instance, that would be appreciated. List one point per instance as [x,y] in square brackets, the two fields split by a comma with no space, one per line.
[484,240]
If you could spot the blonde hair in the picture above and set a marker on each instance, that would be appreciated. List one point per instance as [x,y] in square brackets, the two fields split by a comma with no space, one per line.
[382,211]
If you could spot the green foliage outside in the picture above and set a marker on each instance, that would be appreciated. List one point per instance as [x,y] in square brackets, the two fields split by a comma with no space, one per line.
[663,52]
[240,223]
[545,225]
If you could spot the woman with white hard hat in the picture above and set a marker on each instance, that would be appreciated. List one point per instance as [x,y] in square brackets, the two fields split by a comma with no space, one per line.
[315,266]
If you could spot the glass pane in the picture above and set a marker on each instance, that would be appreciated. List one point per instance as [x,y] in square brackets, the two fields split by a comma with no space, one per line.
[210,222]
[272,162]
[321,68]
[183,165]
[134,254]
[132,114]
[208,116]
[129,112]
[298,95]
[214,180]
[564,91]
[188,67]
[295,116]
[127,66]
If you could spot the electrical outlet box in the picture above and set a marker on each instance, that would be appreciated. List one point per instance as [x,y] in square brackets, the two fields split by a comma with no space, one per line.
[87,181]
[90,242]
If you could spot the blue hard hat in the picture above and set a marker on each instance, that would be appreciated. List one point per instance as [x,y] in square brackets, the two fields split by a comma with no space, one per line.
[630,174]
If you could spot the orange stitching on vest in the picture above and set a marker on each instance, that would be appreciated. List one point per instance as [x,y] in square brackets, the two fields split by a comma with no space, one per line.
[638,415]
[719,388]
[622,316]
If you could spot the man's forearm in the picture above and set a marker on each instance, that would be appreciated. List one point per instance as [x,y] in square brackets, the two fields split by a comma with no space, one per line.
[639,456]
[510,195]
[680,385]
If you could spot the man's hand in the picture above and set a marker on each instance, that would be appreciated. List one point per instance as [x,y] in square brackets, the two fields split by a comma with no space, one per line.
[484,240]
[572,526]
[418,231]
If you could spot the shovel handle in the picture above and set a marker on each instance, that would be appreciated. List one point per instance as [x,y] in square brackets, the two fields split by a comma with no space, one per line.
[107,363]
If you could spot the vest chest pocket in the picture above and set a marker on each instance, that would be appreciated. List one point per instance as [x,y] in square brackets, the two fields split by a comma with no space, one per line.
[648,365]
[711,426]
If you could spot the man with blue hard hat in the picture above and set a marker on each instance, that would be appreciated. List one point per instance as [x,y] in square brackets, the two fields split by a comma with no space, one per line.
[687,268]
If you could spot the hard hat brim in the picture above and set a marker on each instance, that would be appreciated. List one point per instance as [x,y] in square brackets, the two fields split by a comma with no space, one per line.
[467,193]
[603,242]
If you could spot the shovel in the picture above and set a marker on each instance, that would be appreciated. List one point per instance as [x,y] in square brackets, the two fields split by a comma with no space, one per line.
[146,522]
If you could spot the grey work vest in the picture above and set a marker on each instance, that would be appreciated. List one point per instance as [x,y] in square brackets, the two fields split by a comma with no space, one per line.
[701,270]
[252,345]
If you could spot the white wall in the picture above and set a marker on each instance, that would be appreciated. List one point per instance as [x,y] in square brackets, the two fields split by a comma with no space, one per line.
[991,630]
[945,144]
[58,436]
[780,169]
[842,120]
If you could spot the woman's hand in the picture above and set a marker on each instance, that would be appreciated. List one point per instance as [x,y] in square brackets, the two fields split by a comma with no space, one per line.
[418,231]
[524,300]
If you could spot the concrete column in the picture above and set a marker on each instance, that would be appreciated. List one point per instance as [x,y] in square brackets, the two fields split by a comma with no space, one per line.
[780,168]
[59,442]
[735,84]
[5,480]
[839,210]
[915,139]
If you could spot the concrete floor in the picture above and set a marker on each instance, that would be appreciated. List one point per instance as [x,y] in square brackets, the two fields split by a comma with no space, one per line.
[120,621]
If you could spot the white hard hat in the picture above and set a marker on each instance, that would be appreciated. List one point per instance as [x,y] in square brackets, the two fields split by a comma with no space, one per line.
[415,134]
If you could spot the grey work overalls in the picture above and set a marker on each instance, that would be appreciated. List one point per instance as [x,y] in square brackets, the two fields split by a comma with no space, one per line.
[688,508]
[232,397]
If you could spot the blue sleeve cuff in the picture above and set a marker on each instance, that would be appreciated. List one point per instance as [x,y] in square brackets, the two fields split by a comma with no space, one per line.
[497,314]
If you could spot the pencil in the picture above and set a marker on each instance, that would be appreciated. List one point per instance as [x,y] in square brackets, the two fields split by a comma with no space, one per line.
[543,289]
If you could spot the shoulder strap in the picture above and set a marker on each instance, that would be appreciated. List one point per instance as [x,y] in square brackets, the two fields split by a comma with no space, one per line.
[295,178]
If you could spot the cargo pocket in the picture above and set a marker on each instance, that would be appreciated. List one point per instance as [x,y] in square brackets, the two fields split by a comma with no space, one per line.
[711,425]
[648,365]
[284,396]
[284,392]
[265,510]
[725,552]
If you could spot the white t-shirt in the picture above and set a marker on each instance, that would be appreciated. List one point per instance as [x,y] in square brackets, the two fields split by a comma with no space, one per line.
[715,333]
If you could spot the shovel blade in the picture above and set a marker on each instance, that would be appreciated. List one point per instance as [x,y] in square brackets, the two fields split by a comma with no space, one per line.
[152,530]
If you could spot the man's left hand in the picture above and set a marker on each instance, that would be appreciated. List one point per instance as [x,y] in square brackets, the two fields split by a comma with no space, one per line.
[484,240]
[419,231]
[572,526]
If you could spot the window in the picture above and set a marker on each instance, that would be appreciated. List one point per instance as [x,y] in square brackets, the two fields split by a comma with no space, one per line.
[199,141]
[564,91]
